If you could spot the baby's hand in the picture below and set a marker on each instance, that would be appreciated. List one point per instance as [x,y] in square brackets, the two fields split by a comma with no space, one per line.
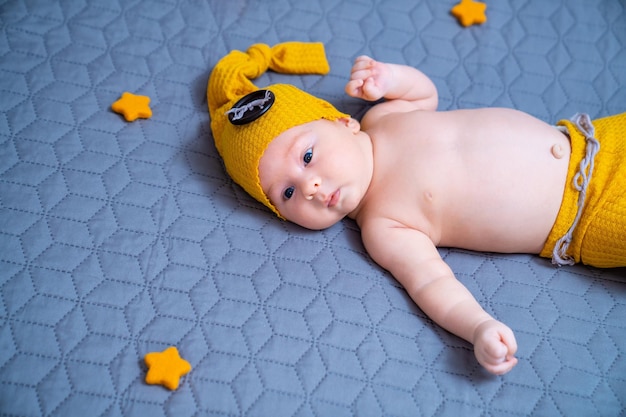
[369,79]
[495,347]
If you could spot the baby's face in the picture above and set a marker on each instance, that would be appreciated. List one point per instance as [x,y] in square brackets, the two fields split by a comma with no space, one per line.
[317,173]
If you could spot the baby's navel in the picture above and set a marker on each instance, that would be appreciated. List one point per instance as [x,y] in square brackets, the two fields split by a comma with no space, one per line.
[557,151]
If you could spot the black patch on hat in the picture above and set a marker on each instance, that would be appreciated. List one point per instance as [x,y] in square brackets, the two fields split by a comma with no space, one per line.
[250,107]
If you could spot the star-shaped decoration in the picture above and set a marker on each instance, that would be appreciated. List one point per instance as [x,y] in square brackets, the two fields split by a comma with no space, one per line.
[132,106]
[166,368]
[470,12]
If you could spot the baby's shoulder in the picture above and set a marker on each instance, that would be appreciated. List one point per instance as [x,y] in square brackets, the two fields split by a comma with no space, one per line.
[375,225]
[389,242]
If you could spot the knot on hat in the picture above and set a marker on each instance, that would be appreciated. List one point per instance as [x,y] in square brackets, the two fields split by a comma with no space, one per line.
[288,58]
[242,145]
[260,57]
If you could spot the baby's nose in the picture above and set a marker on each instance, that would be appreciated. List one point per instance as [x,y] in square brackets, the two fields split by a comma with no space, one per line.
[311,187]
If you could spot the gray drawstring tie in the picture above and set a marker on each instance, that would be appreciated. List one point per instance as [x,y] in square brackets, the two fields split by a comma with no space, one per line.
[581,183]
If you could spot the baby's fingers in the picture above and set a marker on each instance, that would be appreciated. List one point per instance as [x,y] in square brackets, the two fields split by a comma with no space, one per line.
[354,88]
[502,367]
[361,63]
[371,90]
[363,74]
[496,358]
[496,351]
[495,347]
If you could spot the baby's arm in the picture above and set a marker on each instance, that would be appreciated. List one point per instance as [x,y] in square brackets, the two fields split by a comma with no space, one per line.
[372,80]
[415,262]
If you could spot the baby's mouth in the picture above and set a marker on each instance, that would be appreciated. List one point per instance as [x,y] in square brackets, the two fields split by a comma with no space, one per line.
[333,199]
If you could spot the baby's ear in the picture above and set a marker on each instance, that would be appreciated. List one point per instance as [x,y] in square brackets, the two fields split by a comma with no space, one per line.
[351,124]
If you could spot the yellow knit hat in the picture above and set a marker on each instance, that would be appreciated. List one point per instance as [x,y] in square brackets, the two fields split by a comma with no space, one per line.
[245,119]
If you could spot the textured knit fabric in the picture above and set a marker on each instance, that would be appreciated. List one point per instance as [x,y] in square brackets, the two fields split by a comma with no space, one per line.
[600,237]
[241,147]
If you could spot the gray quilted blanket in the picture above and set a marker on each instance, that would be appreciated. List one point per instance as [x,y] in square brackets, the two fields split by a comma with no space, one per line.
[122,238]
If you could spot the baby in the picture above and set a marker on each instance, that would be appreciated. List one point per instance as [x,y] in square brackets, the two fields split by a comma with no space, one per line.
[495,180]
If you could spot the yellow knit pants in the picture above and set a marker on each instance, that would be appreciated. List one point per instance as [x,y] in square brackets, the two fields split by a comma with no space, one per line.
[599,238]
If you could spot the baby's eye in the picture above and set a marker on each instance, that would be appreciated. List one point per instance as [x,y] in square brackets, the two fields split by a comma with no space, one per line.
[308,156]
[288,193]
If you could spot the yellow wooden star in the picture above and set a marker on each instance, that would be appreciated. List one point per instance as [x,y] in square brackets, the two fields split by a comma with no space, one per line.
[132,106]
[166,367]
[470,12]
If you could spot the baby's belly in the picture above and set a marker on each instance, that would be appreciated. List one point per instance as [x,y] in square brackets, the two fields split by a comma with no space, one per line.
[499,234]
[510,198]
